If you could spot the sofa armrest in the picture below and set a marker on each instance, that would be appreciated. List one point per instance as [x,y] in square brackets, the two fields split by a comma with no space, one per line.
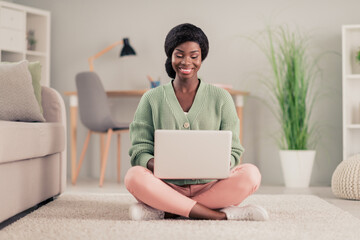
[54,111]
[51,104]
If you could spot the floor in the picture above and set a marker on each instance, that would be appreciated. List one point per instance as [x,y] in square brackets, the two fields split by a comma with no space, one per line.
[353,207]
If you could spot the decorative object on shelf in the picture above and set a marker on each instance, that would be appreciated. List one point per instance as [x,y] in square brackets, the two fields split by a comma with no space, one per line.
[125,51]
[355,114]
[153,83]
[31,40]
[355,61]
[345,182]
[290,87]
[358,55]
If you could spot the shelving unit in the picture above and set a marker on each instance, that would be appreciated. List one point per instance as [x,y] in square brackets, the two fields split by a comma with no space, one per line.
[351,90]
[16,21]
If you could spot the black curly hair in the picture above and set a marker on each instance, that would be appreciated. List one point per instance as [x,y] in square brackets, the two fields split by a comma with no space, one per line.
[183,33]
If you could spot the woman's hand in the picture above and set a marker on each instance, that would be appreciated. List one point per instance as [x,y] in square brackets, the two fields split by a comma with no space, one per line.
[150,165]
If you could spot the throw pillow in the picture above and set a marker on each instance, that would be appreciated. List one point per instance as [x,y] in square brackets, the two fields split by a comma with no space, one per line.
[17,98]
[35,71]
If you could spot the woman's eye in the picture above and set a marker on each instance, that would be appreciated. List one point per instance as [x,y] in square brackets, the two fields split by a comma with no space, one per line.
[179,56]
[194,57]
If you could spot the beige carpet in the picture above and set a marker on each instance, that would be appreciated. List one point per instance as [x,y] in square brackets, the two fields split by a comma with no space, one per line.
[105,216]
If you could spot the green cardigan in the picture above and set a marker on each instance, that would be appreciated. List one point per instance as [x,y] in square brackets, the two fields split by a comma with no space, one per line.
[212,109]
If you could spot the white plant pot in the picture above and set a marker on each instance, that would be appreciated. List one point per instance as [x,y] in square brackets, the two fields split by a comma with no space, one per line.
[297,167]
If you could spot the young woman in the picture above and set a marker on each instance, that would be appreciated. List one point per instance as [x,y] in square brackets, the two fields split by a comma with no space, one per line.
[188,103]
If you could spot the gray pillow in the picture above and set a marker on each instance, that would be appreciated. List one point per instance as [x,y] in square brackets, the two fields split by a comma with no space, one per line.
[17,98]
[35,71]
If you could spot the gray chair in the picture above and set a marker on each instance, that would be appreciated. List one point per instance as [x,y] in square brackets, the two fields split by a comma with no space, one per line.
[96,116]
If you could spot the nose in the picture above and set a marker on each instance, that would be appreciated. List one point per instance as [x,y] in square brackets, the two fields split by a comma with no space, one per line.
[186,60]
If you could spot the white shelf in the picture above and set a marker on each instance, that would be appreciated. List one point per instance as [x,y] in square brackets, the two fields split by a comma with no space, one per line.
[18,20]
[353,76]
[351,90]
[350,27]
[42,54]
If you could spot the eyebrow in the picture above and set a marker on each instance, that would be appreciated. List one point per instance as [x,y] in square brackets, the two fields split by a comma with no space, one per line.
[190,52]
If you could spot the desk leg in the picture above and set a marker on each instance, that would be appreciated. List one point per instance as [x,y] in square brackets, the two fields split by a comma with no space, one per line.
[239,103]
[73,131]
[239,111]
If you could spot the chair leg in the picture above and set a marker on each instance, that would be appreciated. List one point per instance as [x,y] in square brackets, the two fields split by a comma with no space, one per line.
[105,156]
[102,147]
[102,139]
[118,156]
[82,156]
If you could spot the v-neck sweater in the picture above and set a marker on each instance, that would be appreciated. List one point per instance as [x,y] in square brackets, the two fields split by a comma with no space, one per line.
[212,109]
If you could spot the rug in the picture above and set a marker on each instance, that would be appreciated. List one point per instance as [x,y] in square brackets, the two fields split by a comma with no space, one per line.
[105,216]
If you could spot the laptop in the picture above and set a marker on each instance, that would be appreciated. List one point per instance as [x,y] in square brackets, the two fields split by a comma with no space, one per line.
[194,154]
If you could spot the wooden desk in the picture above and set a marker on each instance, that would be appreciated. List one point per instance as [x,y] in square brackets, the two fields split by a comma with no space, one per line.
[237,95]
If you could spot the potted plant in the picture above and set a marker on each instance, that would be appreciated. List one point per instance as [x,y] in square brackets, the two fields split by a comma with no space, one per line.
[31,40]
[290,87]
[358,55]
[356,62]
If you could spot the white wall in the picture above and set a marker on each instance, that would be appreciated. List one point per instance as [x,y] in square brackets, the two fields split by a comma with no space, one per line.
[80,28]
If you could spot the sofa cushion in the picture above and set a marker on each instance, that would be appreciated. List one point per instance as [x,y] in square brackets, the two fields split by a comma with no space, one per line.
[22,140]
[35,71]
[17,98]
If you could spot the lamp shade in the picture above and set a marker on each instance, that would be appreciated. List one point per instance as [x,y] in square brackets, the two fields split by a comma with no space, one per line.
[127,49]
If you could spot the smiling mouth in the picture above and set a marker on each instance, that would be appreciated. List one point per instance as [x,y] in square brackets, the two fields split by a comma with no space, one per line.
[185,70]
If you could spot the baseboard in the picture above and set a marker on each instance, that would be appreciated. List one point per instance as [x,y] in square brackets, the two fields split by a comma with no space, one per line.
[13,219]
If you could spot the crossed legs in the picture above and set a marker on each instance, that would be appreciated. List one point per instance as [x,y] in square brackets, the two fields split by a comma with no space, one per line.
[195,201]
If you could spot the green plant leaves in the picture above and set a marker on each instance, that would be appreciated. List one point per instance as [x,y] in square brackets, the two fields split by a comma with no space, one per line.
[293,74]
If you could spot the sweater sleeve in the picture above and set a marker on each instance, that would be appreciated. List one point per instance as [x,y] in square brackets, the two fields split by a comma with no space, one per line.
[231,122]
[142,134]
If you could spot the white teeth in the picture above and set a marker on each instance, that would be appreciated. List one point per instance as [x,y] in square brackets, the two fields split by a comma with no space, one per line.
[185,70]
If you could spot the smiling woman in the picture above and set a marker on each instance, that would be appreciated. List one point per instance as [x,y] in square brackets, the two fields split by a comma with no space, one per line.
[179,105]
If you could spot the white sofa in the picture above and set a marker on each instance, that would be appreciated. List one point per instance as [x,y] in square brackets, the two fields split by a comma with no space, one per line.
[33,158]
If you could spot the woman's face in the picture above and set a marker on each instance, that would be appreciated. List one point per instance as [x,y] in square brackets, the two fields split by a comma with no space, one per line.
[186,60]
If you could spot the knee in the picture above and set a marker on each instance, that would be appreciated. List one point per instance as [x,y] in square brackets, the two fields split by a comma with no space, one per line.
[250,177]
[253,174]
[133,177]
